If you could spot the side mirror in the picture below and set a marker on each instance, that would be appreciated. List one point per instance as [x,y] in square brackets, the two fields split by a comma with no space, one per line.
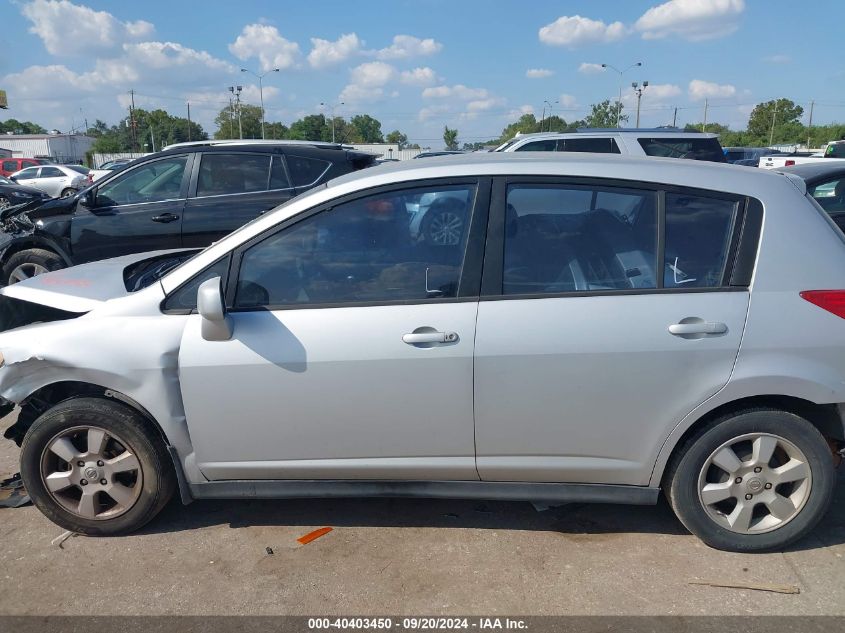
[87,198]
[13,178]
[216,324]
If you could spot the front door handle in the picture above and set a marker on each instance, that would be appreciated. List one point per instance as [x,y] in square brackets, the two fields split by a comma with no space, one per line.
[415,338]
[701,327]
[165,218]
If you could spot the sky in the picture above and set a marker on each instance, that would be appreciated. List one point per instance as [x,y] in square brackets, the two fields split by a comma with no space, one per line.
[417,65]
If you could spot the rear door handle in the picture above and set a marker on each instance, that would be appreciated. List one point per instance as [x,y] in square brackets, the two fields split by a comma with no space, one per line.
[165,218]
[429,337]
[703,327]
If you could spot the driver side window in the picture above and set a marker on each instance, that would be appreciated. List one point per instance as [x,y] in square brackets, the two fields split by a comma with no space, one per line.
[152,182]
[403,245]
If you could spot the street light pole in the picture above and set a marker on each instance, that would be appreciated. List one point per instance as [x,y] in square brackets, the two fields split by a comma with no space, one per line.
[621,73]
[331,109]
[546,103]
[639,90]
[236,92]
[261,92]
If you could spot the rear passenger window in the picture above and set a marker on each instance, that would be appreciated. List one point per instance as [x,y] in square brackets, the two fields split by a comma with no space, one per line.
[10,165]
[549,145]
[306,171]
[50,172]
[698,237]
[579,239]
[278,175]
[594,145]
[232,173]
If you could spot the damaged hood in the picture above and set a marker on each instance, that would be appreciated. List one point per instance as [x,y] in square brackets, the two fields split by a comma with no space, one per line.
[82,288]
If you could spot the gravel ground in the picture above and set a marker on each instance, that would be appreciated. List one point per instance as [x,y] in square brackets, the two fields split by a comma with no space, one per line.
[407,557]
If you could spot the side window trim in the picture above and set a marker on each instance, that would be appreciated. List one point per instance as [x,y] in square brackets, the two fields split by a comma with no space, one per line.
[312,183]
[741,255]
[281,159]
[183,187]
[224,281]
[474,243]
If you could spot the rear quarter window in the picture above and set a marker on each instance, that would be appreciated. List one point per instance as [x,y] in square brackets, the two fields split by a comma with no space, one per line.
[306,171]
[690,148]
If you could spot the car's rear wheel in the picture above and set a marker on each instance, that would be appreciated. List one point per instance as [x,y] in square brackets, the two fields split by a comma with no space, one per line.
[29,263]
[4,203]
[67,193]
[95,467]
[755,481]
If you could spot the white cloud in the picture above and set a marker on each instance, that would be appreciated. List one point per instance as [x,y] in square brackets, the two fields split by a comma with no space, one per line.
[574,31]
[661,92]
[699,89]
[267,44]
[538,73]
[431,112]
[367,81]
[71,29]
[590,69]
[567,101]
[518,112]
[458,91]
[419,77]
[405,46]
[482,105]
[693,20]
[778,59]
[325,53]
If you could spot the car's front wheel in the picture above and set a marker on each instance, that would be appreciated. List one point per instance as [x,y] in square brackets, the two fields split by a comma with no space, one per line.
[95,467]
[755,481]
[29,263]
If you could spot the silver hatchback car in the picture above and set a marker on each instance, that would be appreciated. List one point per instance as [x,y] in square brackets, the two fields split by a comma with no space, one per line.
[601,328]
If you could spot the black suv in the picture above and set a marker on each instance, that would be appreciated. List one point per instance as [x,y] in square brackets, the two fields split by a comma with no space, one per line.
[188,195]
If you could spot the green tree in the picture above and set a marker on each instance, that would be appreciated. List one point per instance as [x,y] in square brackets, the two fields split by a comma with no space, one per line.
[366,129]
[313,127]
[20,127]
[276,131]
[606,114]
[227,122]
[450,138]
[526,124]
[397,137]
[783,113]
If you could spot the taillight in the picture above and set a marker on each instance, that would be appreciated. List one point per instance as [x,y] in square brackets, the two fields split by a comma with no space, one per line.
[788,163]
[831,300]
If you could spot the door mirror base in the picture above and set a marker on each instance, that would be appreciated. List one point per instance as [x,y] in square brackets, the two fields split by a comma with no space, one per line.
[216,324]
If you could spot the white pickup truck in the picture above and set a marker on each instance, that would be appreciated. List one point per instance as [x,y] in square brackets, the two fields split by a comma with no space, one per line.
[833,151]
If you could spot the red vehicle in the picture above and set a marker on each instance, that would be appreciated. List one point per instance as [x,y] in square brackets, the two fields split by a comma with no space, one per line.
[9,166]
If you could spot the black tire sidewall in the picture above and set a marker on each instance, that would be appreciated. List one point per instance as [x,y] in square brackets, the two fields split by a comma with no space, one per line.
[48,259]
[683,486]
[158,483]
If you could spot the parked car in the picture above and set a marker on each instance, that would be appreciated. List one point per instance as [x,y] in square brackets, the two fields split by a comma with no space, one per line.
[445,152]
[188,195]
[749,156]
[12,194]
[665,142]
[109,166]
[834,151]
[9,166]
[59,181]
[559,351]
[825,182]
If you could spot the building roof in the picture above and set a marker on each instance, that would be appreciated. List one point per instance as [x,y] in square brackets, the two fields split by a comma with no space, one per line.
[38,137]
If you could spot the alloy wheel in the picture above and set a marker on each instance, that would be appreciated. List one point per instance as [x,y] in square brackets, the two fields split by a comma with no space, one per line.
[91,473]
[445,229]
[755,483]
[25,271]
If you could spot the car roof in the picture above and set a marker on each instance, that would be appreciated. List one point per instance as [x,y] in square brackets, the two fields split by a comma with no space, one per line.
[650,132]
[692,173]
[816,171]
[253,143]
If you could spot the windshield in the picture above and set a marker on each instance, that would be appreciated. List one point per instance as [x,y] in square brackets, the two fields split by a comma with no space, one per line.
[5,181]
[691,148]
[505,145]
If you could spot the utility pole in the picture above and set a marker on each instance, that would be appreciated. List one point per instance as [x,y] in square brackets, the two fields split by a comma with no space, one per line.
[774,116]
[675,118]
[189,120]
[331,108]
[639,90]
[132,120]
[810,124]
[231,119]
[704,125]
[236,91]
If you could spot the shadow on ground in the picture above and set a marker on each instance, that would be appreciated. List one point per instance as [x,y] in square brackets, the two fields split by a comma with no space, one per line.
[573,519]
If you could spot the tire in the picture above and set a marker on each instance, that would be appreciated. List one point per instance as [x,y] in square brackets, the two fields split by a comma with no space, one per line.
[760,520]
[29,263]
[67,193]
[4,203]
[145,485]
[444,224]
